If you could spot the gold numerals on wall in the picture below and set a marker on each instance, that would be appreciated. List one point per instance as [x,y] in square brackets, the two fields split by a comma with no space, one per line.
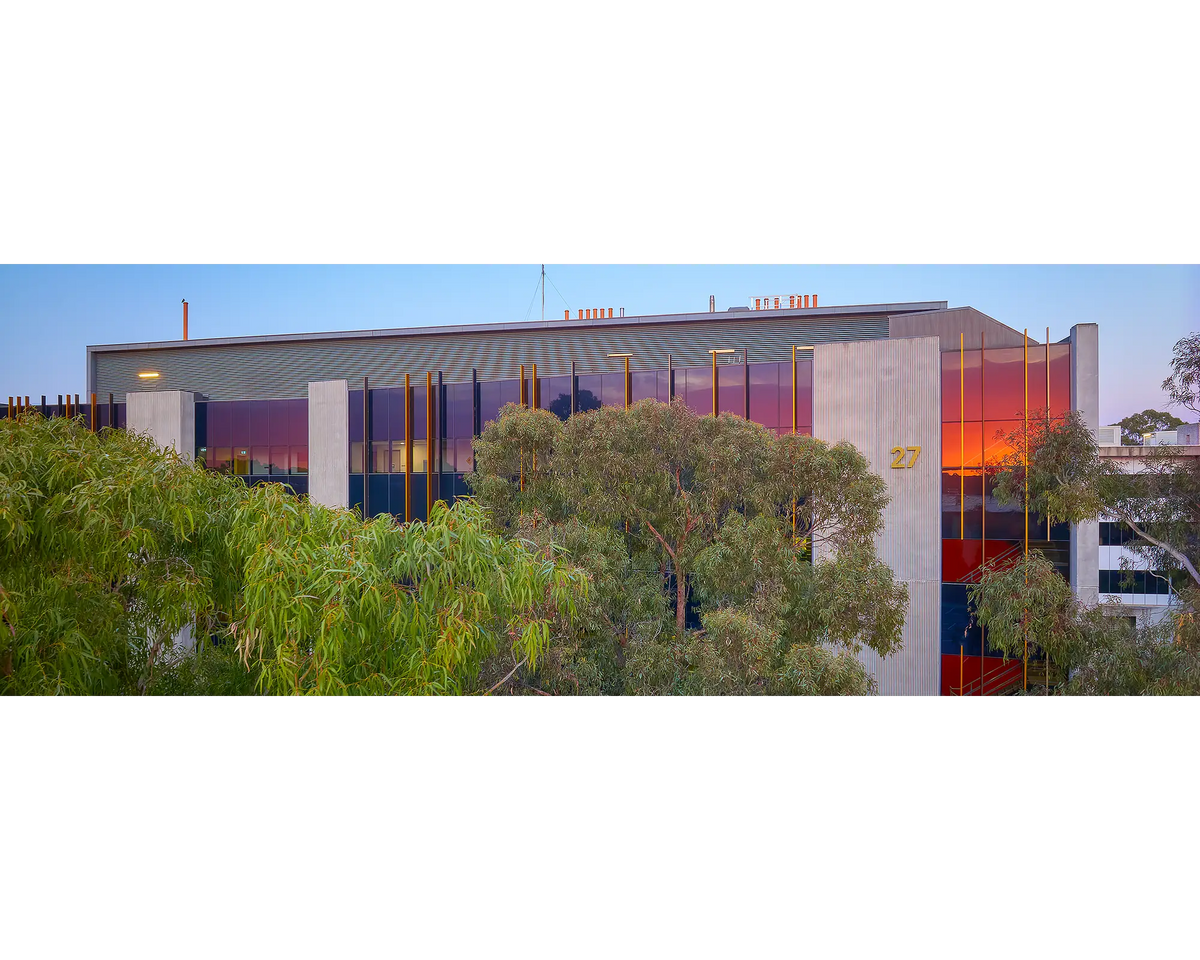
[898,457]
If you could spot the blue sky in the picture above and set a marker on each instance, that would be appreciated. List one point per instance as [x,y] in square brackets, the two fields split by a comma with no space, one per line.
[48,314]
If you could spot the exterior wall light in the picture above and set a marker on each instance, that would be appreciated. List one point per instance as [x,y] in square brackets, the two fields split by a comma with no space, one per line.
[149,375]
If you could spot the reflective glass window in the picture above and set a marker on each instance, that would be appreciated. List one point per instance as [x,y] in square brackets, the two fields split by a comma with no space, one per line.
[1060,378]
[240,422]
[555,397]
[460,411]
[966,383]
[241,461]
[962,444]
[419,413]
[380,456]
[489,401]
[766,396]
[804,397]
[465,457]
[731,388]
[299,460]
[419,464]
[1004,383]
[590,392]
[220,433]
[260,461]
[379,415]
[395,404]
[279,461]
[259,422]
[645,384]
[962,504]
[996,434]
[696,392]
[355,415]
[356,457]
[297,414]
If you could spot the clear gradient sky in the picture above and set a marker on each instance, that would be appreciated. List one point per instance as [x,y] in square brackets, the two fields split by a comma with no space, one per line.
[49,314]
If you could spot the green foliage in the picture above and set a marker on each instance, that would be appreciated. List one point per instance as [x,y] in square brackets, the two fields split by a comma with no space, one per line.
[1183,385]
[1136,425]
[1095,650]
[636,496]
[110,547]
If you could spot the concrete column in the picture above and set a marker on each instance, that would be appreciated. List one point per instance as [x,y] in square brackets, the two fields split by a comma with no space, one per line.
[168,417]
[879,395]
[1085,398]
[329,443]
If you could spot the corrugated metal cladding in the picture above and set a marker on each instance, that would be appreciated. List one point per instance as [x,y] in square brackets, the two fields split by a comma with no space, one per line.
[948,324]
[881,395]
[251,371]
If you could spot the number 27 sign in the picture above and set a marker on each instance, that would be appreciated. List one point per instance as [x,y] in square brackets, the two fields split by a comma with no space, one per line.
[905,458]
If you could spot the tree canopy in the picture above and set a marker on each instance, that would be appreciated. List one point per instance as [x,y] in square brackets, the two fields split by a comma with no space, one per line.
[112,551]
[1066,479]
[657,502]
[1136,425]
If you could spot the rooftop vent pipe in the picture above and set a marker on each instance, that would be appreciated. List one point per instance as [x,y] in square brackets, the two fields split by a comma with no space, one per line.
[184,319]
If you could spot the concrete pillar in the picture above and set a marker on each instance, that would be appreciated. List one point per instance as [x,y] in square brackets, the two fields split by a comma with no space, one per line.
[329,443]
[167,416]
[880,395]
[1085,398]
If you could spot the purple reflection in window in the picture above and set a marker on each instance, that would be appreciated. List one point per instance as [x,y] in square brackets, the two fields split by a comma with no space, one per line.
[765,394]
[419,424]
[356,416]
[259,422]
[804,398]
[590,392]
[239,427]
[379,415]
[220,418]
[396,413]
[731,393]
[489,401]
[297,414]
[277,422]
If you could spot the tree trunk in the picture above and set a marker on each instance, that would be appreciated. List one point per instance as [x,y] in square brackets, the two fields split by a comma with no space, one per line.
[680,599]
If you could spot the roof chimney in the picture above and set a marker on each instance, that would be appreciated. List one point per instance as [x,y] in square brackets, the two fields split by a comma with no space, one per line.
[184,319]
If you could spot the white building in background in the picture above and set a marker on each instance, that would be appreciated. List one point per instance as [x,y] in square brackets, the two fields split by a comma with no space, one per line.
[1144,594]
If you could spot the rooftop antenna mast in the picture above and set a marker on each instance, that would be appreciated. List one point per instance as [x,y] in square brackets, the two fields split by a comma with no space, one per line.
[543,293]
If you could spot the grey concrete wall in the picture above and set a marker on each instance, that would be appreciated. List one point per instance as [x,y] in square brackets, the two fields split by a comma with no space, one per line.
[879,395]
[329,443]
[167,416]
[1085,397]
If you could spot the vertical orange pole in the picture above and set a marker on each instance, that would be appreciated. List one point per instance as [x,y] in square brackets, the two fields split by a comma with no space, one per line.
[714,381]
[408,449]
[960,669]
[983,484]
[793,432]
[962,442]
[1047,405]
[430,442]
[1025,613]
[628,385]
[93,413]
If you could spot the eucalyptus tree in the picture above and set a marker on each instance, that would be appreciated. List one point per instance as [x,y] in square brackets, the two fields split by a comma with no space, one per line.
[110,548]
[716,502]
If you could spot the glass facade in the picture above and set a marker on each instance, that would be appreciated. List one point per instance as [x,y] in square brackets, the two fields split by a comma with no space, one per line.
[985,399]
[263,441]
[461,410]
